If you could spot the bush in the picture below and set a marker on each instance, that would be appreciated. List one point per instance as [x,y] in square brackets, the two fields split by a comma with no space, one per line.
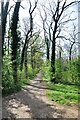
[66,72]
[7,79]
[46,69]
[59,67]
[31,72]
[8,85]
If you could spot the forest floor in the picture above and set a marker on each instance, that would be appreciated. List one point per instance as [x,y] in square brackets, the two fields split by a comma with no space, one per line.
[31,102]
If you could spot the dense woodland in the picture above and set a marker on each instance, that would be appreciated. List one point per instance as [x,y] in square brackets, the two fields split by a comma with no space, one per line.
[49,45]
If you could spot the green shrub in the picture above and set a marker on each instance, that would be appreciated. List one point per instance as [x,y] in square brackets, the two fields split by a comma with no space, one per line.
[58,66]
[32,72]
[46,69]
[66,72]
[7,78]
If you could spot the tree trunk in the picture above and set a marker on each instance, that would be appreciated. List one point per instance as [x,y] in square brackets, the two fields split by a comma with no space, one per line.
[26,65]
[60,54]
[14,66]
[15,40]
[8,44]
[32,55]
[4,20]
[70,56]
[47,52]
[53,79]
[53,62]
[70,53]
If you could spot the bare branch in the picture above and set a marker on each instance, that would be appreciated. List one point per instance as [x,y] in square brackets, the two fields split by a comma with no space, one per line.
[68,5]
[34,40]
[69,20]
[31,11]
[62,10]
[68,39]
[10,9]
[20,5]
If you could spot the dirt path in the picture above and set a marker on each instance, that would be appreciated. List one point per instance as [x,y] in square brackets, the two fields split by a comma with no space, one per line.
[31,102]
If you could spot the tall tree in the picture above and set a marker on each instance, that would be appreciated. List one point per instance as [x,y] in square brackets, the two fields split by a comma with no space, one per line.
[56,16]
[47,40]
[4,11]
[78,41]
[29,32]
[15,39]
[73,39]
[31,11]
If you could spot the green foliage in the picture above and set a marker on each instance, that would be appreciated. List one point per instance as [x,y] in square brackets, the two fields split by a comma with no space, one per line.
[66,91]
[38,59]
[8,83]
[63,94]
[58,66]
[78,69]
[46,69]
[66,72]
[7,79]
[31,72]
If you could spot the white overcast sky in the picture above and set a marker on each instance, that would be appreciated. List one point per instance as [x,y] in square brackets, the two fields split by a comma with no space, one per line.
[24,3]
[25,14]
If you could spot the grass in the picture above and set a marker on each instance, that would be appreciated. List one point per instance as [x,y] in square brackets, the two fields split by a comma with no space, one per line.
[62,93]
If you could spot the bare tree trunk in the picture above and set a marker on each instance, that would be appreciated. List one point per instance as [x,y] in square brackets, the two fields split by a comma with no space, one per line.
[70,55]
[32,58]
[47,52]
[26,65]
[79,41]
[53,62]
[70,52]
[53,54]
[59,55]
[29,31]
[23,50]
[9,35]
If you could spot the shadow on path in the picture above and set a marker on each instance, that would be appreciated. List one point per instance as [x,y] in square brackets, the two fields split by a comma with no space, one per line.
[30,102]
[38,108]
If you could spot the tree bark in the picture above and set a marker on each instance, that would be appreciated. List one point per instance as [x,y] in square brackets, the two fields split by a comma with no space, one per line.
[53,54]
[15,40]
[53,62]
[70,53]
[4,11]
[47,52]
[26,65]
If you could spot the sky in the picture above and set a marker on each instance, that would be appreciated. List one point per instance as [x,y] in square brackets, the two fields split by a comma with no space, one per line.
[24,3]
[37,20]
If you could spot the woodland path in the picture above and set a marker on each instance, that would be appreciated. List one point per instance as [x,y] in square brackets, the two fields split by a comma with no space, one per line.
[31,102]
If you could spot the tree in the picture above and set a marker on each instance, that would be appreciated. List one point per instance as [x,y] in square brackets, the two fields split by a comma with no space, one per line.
[29,33]
[57,13]
[31,26]
[0,53]
[79,41]
[4,11]
[46,38]
[73,39]
[15,39]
